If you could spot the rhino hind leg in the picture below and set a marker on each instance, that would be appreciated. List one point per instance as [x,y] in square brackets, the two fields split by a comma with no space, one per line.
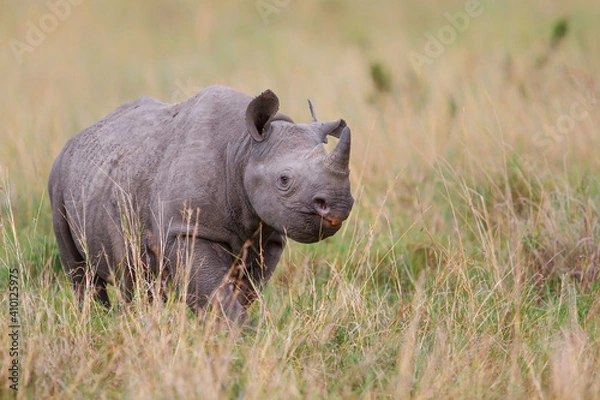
[74,262]
[83,280]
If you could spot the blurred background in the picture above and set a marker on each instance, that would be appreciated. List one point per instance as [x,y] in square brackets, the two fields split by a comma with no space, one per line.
[497,81]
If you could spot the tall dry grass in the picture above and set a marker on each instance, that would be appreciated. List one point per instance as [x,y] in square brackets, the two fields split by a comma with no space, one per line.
[468,268]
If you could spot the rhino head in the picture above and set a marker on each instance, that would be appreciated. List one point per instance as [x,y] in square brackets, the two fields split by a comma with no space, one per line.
[292,182]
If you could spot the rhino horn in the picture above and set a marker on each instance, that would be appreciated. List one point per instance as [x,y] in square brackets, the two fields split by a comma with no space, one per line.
[311,107]
[330,128]
[339,157]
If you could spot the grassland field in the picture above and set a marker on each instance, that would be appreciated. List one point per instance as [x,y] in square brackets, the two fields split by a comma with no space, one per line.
[468,268]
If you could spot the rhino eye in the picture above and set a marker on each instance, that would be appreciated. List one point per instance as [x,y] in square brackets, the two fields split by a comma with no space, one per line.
[284,181]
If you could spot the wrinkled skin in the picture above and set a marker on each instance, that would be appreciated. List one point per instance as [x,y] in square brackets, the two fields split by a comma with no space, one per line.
[205,191]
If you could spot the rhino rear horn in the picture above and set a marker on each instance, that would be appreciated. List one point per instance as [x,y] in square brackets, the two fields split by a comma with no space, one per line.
[311,107]
[339,158]
[260,113]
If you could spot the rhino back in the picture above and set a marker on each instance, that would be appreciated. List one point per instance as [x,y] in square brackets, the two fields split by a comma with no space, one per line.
[150,158]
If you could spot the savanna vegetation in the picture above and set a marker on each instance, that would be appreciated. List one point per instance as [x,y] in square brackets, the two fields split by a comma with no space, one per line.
[468,268]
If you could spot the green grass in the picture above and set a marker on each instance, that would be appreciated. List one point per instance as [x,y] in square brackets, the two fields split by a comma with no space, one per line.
[469,265]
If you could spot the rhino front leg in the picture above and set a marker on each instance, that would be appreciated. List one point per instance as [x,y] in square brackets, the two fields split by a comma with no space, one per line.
[209,283]
[261,266]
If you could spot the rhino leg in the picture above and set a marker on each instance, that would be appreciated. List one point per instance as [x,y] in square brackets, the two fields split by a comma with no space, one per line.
[74,262]
[209,282]
[260,267]
[227,299]
[100,293]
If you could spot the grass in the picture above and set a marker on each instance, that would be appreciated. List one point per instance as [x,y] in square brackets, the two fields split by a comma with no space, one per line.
[468,268]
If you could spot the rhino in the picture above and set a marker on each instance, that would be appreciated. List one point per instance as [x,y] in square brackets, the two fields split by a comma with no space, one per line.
[203,193]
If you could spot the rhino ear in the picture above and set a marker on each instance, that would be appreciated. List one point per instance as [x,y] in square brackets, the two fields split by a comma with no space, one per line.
[260,113]
[332,128]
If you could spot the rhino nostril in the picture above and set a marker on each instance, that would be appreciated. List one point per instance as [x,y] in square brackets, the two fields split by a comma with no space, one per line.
[321,206]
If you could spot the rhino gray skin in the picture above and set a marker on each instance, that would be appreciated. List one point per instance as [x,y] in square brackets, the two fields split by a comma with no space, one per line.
[209,187]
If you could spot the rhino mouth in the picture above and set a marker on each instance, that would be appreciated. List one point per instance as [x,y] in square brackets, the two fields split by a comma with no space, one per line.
[315,227]
[330,222]
[327,225]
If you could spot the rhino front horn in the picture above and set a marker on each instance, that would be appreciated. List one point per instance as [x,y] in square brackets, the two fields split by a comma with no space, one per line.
[339,158]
